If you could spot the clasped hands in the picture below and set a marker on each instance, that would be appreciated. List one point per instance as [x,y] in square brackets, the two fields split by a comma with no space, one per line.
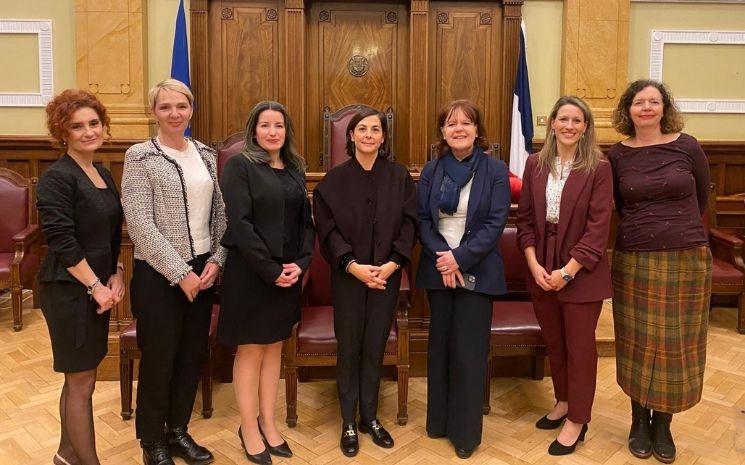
[449,269]
[192,284]
[547,281]
[374,277]
[289,275]
[111,294]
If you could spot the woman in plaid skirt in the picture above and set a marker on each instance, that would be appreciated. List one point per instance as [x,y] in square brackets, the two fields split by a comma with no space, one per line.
[661,265]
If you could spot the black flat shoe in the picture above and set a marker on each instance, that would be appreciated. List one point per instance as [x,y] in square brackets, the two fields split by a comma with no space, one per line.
[350,441]
[547,423]
[181,444]
[156,453]
[262,458]
[435,435]
[380,436]
[282,450]
[463,453]
[557,448]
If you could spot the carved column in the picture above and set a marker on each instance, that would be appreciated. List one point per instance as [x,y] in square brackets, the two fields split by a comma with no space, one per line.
[595,56]
[111,57]
[511,19]
[199,60]
[293,77]
[418,84]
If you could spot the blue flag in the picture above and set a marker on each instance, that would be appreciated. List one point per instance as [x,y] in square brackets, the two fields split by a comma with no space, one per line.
[521,140]
[180,57]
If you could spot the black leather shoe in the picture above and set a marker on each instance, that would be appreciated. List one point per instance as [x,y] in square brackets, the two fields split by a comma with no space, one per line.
[181,444]
[557,448]
[262,458]
[640,436]
[547,423]
[663,446]
[282,450]
[380,436]
[156,453]
[463,453]
[350,441]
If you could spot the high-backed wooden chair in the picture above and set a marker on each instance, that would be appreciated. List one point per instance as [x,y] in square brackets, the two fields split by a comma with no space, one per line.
[312,342]
[728,268]
[20,240]
[335,133]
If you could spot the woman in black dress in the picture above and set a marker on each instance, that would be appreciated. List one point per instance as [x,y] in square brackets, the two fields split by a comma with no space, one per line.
[365,210]
[270,244]
[79,280]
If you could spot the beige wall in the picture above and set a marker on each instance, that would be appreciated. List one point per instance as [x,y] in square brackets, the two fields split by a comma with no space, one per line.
[543,19]
[690,74]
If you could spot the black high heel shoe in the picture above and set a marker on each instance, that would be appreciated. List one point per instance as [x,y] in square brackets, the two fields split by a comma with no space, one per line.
[557,448]
[262,458]
[547,423]
[282,450]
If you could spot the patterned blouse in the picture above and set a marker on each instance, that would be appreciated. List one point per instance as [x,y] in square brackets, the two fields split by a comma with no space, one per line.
[554,187]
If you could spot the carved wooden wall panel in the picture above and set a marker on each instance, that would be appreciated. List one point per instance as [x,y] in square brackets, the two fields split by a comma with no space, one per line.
[356,54]
[465,52]
[245,48]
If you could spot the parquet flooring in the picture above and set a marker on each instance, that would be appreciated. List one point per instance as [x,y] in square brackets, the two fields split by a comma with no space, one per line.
[712,433]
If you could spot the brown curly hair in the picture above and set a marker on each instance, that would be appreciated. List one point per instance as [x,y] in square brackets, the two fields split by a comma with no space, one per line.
[671,121]
[61,108]
[472,112]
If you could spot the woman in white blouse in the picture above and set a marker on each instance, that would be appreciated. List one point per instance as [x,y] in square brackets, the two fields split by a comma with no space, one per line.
[563,222]
[176,218]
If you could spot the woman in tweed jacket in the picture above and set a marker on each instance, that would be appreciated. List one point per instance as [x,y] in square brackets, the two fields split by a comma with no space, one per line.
[176,218]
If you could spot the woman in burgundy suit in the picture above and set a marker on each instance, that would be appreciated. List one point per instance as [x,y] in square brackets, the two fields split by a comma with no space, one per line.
[563,221]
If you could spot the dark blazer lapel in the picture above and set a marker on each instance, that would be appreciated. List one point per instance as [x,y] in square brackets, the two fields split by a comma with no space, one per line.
[477,187]
[569,195]
[298,178]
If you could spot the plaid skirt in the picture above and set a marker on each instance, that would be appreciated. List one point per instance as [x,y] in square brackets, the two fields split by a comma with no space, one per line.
[660,316]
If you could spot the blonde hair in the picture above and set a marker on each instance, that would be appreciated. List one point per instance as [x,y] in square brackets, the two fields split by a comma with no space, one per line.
[588,154]
[170,84]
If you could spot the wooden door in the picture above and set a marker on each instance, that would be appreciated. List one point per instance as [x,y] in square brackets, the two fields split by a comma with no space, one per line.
[356,53]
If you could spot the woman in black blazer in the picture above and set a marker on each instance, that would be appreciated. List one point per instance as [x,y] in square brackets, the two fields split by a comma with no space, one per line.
[80,279]
[365,210]
[269,239]
[464,198]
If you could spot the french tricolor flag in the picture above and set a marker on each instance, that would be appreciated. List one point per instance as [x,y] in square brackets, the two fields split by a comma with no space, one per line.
[521,140]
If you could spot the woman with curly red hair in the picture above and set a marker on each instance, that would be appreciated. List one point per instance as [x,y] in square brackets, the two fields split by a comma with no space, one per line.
[80,278]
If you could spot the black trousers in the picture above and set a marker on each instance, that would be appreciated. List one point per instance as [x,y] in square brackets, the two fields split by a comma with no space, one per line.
[172,334]
[460,323]
[362,322]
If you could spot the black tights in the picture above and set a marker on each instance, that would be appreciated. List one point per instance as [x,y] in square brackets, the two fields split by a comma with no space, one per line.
[78,440]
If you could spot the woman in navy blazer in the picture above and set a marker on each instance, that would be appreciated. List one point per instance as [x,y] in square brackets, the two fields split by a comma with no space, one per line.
[464,198]
[563,221]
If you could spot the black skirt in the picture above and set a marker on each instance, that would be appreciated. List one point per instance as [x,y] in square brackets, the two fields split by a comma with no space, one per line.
[78,333]
[251,310]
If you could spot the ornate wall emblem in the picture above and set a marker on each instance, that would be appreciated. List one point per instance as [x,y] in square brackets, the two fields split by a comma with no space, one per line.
[226,14]
[391,17]
[271,14]
[443,17]
[485,19]
[358,66]
[324,16]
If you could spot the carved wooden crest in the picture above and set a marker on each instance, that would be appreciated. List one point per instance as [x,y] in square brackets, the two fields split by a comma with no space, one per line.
[358,65]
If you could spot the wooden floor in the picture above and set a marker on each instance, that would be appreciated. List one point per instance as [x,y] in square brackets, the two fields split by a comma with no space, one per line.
[712,433]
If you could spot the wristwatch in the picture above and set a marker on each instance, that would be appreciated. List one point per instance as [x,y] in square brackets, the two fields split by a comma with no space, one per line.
[565,276]
[93,286]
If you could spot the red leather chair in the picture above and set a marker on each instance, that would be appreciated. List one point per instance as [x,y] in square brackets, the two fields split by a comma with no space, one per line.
[20,240]
[335,133]
[312,342]
[514,327]
[728,268]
